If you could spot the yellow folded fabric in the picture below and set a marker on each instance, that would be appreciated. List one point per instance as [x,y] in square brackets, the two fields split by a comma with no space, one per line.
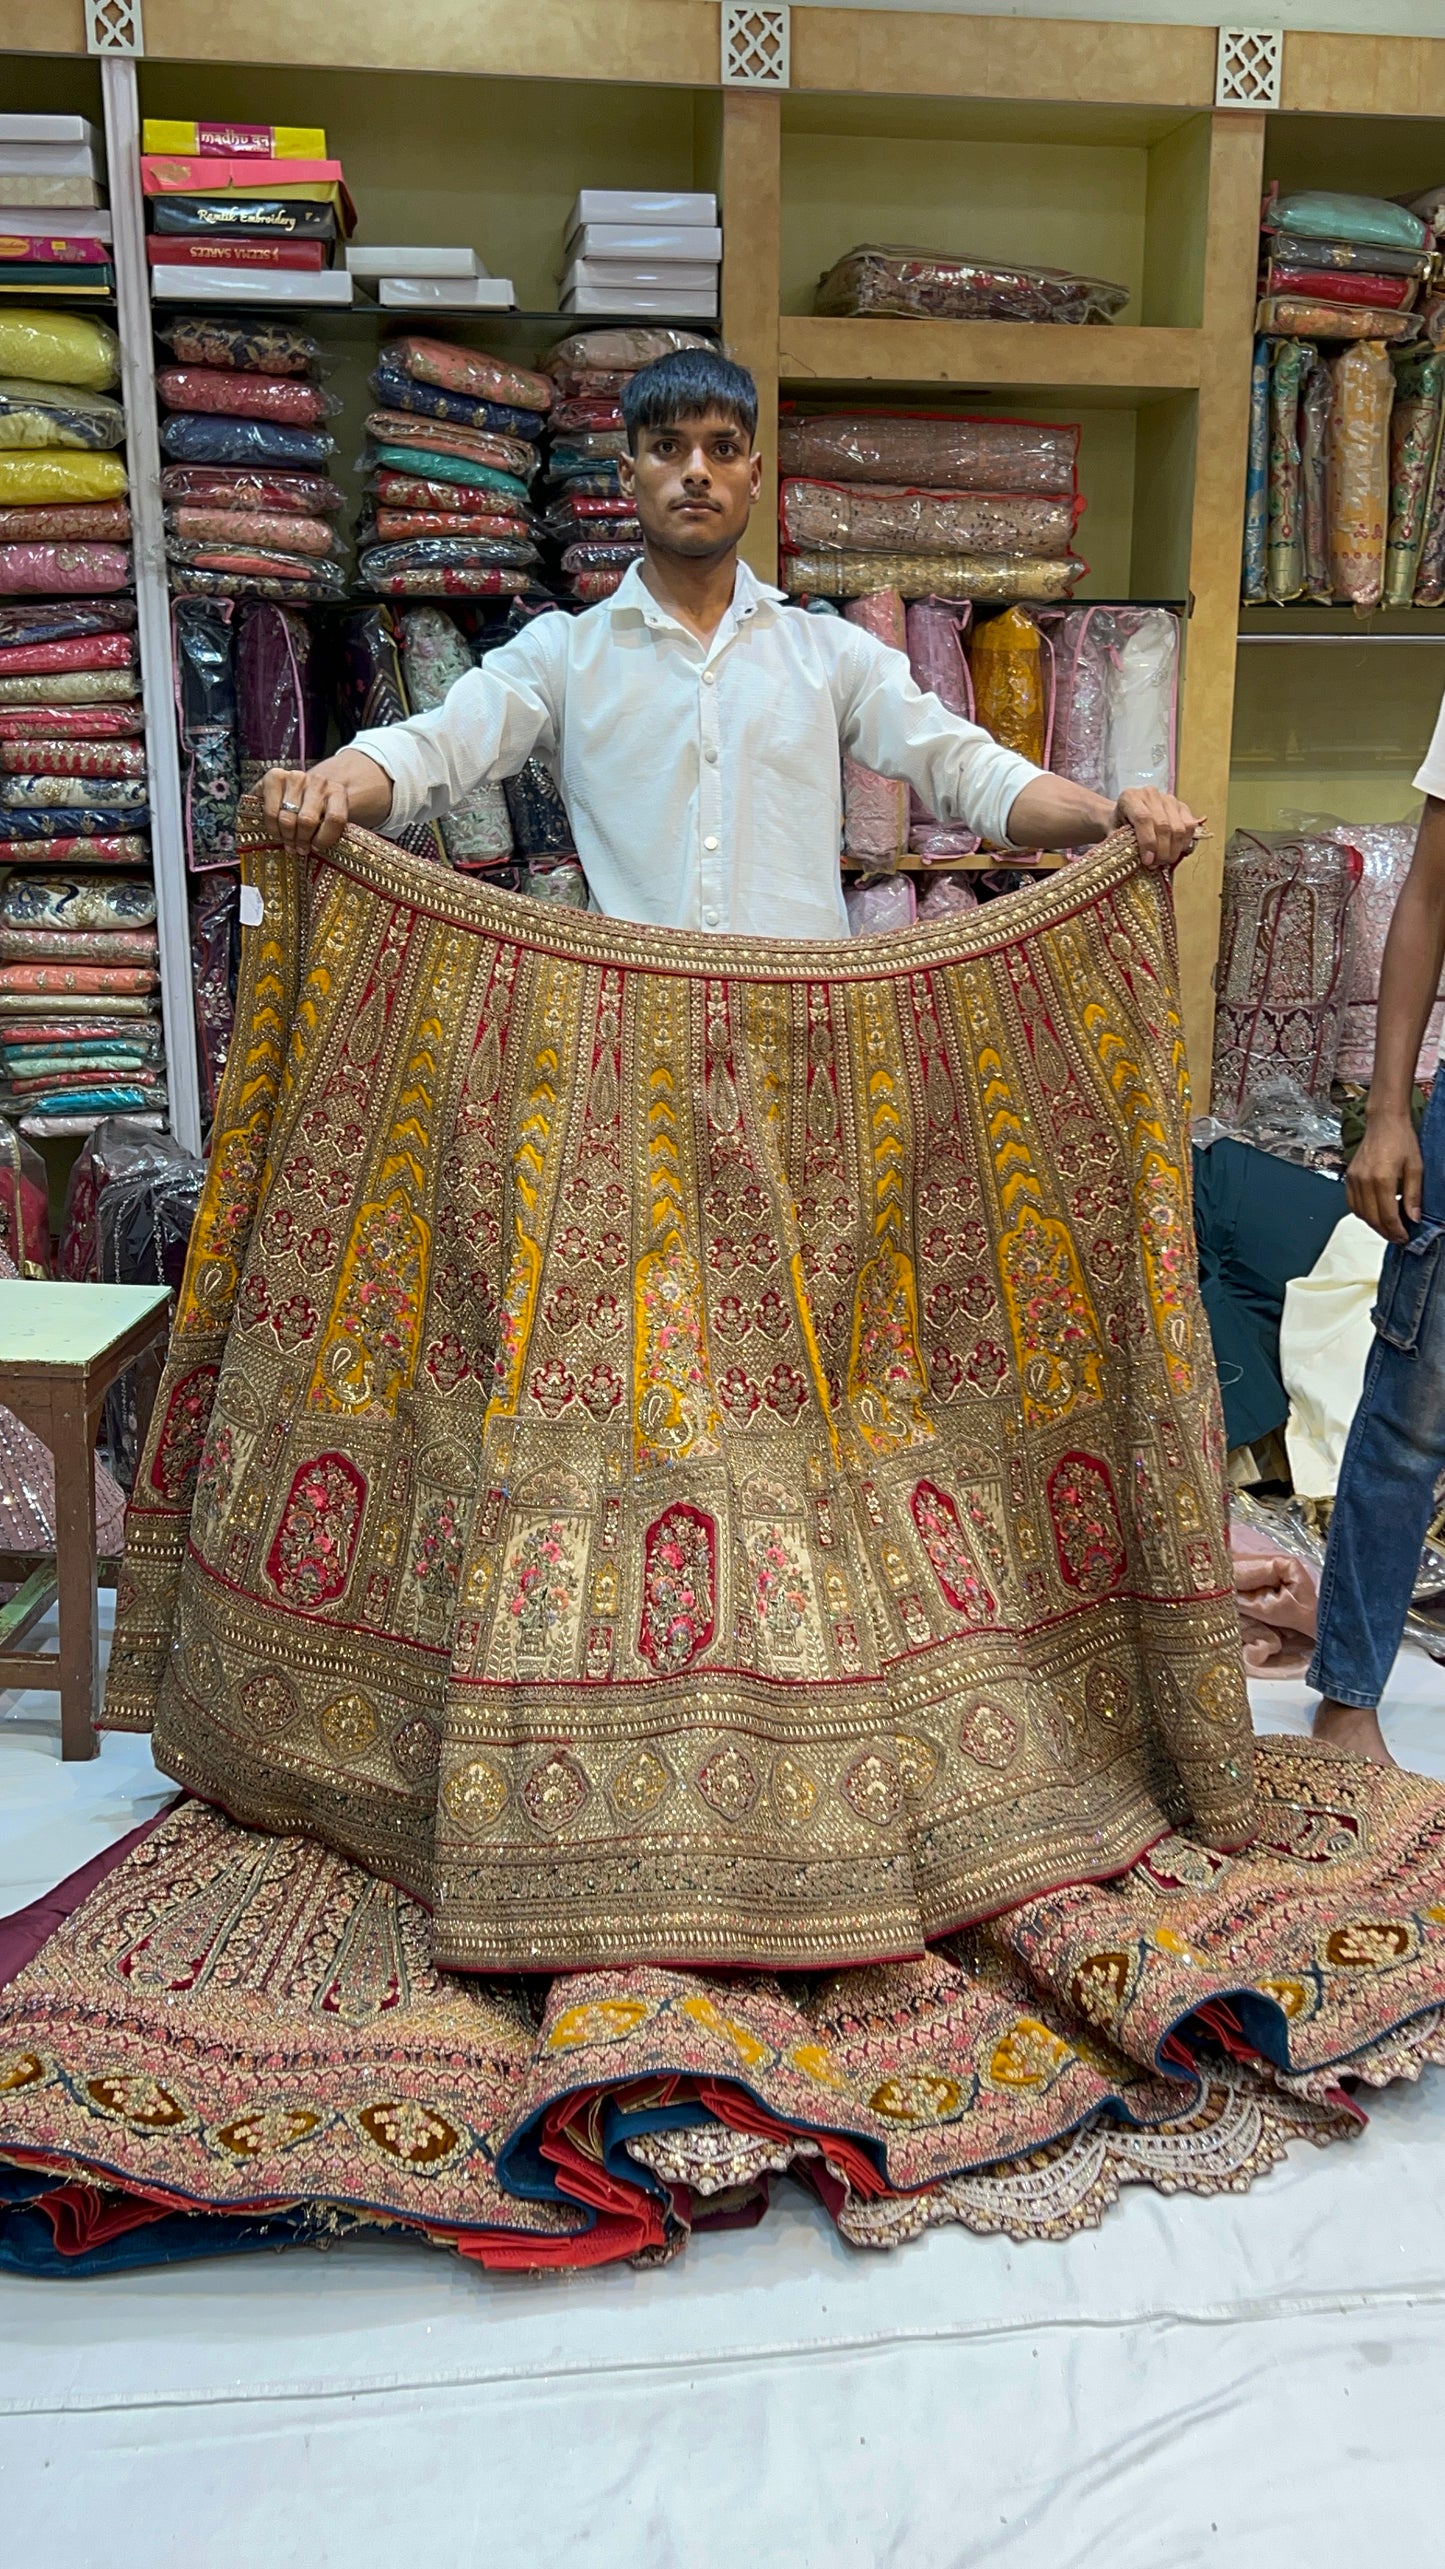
[44,477]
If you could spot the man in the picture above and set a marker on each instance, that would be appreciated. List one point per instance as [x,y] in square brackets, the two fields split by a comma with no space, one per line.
[1397,1442]
[694,720]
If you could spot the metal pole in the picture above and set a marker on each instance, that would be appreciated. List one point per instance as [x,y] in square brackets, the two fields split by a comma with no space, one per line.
[168,844]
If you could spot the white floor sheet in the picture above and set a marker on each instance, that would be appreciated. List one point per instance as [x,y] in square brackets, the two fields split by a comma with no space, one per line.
[1257,2379]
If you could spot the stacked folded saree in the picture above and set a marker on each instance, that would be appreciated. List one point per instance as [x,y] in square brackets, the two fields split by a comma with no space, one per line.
[681,1559]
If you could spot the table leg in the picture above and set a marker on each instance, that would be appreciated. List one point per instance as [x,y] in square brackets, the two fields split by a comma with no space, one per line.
[75,1565]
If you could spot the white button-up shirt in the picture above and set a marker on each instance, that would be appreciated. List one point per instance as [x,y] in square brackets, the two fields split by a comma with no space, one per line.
[703,780]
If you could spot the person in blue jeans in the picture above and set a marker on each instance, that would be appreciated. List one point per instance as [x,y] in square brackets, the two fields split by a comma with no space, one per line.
[1396,1447]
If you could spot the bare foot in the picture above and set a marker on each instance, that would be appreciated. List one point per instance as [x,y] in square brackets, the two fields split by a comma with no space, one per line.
[1354,1731]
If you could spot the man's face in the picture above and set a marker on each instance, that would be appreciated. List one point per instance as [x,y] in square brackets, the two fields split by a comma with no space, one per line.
[694,484]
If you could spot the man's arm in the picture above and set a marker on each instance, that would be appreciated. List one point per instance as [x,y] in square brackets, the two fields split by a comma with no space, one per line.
[1385,1174]
[963,774]
[490,724]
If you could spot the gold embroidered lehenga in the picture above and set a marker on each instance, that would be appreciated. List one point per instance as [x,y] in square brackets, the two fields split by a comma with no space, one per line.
[681,1556]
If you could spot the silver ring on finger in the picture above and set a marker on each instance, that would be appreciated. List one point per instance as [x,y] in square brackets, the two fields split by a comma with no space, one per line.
[290,807]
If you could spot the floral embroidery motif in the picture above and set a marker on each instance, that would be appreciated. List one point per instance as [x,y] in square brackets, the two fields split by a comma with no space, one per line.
[1086,1524]
[674,1413]
[543,1596]
[1369,1944]
[679,1573]
[782,1595]
[270,1701]
[729,1781]
[1099,1988]
[475,1794]
[264,2134]
[1029,2056]
[310,1557]
[418,2135]
[874,1787]
[437,1560]
[639,1786]
[989,1735]
[794,1791]
[368,1353]
[416,1750]
[555,1791]
[917,2097]
[948,1549]
[182,1438]
[350,1725]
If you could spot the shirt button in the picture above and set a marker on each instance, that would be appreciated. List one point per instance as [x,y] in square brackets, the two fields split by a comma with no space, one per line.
[709,918]
[710,754]
[708,678]
[711,845]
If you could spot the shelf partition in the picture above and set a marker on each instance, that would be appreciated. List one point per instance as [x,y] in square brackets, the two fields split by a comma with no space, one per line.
[1026,356]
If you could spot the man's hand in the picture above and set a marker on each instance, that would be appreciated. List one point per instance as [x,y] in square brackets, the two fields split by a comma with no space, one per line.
[1385,1176]
[1165,828]
[309,808]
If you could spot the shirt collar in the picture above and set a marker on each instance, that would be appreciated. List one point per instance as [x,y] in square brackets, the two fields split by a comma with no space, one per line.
[751,596]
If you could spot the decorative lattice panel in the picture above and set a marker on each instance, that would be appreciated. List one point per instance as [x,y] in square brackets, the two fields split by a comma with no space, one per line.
[1247,67]
[114,27]
[754,46]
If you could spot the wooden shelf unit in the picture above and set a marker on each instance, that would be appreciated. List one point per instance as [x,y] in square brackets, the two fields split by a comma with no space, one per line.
[1092,146]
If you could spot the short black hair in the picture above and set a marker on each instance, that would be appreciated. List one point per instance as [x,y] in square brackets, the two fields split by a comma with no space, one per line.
[687,384]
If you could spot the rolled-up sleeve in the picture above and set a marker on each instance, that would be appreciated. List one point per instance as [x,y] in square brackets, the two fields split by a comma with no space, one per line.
[887,723]
[491,722]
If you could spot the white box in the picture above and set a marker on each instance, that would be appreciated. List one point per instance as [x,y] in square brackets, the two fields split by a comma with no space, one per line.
[639,205]
[440,260]
[77,223]
[671,306]
[634,276]
[48,188]
[655,242]
[447,294]
[250,285]
[48,129]
[48,160]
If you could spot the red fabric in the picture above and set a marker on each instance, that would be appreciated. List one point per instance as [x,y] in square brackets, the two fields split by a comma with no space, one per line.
[24,1206]
[85,722]
[25,1930]
[84,651]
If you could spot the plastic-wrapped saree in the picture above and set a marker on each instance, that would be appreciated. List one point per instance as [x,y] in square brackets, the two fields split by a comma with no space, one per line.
[689,1471]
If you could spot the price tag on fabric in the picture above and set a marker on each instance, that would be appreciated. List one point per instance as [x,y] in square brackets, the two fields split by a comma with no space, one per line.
[253,908]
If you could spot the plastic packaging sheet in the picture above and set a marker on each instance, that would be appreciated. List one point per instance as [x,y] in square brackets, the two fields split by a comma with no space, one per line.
[397,391]
[244,346]
[59,348]
[935,632]
[1286,965]
[203,640]
[215,952]
[440,464]
[71,687]
[513,456]
[468,370]
[191,580]
[1007,664]
[875,909]
[207,486]
[286,399]
[1142,688]
[81,901]
[38,793]
[1327,215]
[592,585]
[67,567]
[78,945]
[564,883]
[370,692]
[68,721]
[1334,285]
[990,579]
[85,521]
[433,570]
[838,516]
[196,437]
[1365,259]
[933,285]
[598,557]
[61,757]
[233,563]
[1384,849]
[86,651]
[94,819]
[477,831]
[1430,576]
[1299,316]
[280,711]
[948,898]
[429,494]
[54,415]
[1363,391]
[51,478]
[617,353]
[875,808]
[280,529]
[929,451]
[62,619]
[24,1208]
[1290,362]
[125,847]
[1314,479]
[1414,452]
[403,526]
[1081,641]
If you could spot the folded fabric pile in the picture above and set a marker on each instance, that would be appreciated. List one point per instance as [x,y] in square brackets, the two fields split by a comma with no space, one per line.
[250,506]
[933,285]
[1385,849]
[64,524]
[244,213]
[54,231]
[80,1034]
[1285,974]
[587,516]
[644,251]
[1345,496]
[452,453]
[477,832]
[961,508]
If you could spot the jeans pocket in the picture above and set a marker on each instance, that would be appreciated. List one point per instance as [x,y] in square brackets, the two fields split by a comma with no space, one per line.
[1406,1280]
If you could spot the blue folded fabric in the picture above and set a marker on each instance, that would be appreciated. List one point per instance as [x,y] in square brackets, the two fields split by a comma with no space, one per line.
[62,820]
[198,437]
[399,392]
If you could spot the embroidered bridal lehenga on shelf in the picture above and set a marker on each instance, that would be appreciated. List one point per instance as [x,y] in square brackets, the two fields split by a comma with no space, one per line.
[681,1564]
